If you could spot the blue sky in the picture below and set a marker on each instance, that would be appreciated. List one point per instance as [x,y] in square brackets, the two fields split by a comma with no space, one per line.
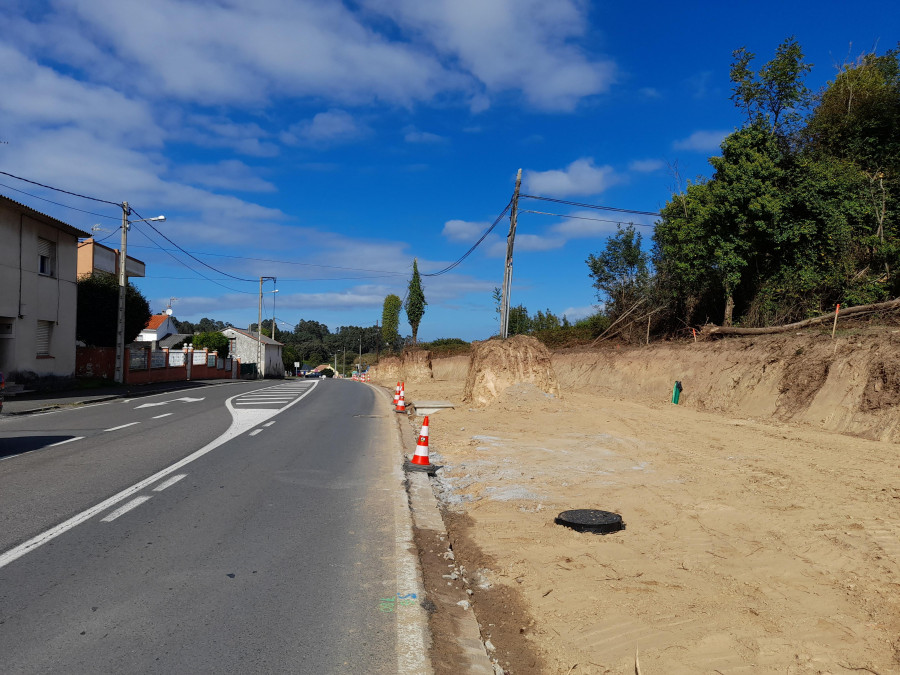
[328,144]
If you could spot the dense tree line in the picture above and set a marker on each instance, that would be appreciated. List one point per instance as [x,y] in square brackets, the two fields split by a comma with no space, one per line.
[799,214]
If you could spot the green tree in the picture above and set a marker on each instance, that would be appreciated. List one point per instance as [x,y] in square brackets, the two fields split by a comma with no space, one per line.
[415,301]
[390,321]
[98,310]
[212,340]
[620,271]
[519,321]
[776,95]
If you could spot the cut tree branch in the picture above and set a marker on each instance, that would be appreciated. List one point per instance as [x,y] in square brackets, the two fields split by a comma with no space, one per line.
[713,330]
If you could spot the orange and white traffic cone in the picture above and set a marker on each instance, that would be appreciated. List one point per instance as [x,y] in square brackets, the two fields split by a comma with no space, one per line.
[396,395]
[401,404]
[421,456]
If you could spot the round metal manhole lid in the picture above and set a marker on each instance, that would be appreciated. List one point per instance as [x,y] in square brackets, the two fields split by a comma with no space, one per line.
[591,520]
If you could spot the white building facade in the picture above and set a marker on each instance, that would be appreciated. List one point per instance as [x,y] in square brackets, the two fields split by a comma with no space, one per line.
[247,346]
[38,295]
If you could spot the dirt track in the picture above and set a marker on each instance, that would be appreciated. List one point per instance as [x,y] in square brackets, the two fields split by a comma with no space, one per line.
[751,546]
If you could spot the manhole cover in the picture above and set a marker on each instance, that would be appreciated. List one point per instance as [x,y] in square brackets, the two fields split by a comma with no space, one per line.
[591,520]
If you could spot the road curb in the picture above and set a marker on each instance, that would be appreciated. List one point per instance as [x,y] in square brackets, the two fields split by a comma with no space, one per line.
[426,516]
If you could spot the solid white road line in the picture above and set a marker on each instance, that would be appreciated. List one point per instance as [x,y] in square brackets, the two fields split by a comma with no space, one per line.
[163,415]
[134,503]
[169,483]
[68,440]
[238,426]
[121,426]
[255,431]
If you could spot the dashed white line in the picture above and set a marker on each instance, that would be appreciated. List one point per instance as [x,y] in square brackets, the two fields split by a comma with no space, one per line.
[255,431]
[268,424]
[238,426]
[169,483]
[121,426]
[163,415]
[68,440]
[137,501]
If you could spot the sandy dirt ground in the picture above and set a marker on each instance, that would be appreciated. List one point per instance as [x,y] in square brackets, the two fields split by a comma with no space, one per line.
[751,546]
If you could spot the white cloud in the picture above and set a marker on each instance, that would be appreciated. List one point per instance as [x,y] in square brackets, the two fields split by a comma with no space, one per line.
[229,174]
[325,128]
[413,135]
[463,230]
[525,45]
[581,177]
[702,141]
[577,313]
[646,165]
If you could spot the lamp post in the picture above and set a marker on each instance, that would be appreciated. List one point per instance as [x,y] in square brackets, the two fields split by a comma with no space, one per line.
[260,364]
[123,281]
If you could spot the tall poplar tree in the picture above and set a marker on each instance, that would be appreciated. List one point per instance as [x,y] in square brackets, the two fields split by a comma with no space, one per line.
[390,321]
[415,301]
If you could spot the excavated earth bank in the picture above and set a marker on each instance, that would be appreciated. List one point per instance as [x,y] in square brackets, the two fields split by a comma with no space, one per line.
[758,540]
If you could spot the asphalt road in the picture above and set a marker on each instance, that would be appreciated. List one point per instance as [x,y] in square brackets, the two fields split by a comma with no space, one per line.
[255,530]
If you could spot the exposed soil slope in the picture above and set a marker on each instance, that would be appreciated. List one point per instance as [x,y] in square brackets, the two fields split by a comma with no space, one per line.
[756,541]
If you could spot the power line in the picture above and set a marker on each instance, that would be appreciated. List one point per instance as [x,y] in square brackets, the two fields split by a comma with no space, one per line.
[474,246]
[592,206]
[50,187]
[599,220]
[180,261]
[294,262]
[189,254]
[66,206]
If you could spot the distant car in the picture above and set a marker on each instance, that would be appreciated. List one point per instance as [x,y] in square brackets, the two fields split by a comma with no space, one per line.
[313,373]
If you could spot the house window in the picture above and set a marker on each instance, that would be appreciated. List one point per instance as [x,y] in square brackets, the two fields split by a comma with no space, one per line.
[42,340]
[6,327]
[46,257]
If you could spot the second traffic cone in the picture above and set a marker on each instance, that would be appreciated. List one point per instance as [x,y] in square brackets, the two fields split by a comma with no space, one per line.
[401,404]
[396,395]
[421,456]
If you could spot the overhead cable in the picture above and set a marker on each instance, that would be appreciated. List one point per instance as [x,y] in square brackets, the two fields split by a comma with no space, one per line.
[599,220]
[65,206]
[200,274]
[474,246]
[145,222]
[591,206]
[50,187]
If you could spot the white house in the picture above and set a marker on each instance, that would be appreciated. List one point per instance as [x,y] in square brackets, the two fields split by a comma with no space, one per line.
[158,327]
[247,345]
[38,296]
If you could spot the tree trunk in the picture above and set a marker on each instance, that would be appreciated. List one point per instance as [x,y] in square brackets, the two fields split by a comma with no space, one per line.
[890,305]
[729,309]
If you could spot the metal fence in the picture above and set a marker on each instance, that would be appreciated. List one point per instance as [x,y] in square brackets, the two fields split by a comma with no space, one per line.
[158,359]
[138,360]
[176,359]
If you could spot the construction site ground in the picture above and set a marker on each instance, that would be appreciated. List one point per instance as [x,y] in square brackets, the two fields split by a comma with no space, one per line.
[755,542]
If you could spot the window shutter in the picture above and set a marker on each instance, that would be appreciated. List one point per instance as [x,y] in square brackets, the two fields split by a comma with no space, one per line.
[46,256]
[45,247]
[42,341]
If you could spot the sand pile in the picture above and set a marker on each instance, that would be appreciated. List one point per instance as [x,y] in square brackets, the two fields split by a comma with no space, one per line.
[416,365]
[497,365]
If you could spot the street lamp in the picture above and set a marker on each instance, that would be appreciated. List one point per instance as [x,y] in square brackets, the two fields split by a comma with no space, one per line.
[260,362]
[123,256]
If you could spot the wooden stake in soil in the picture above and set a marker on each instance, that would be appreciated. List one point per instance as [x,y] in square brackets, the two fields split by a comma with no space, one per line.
[834,327]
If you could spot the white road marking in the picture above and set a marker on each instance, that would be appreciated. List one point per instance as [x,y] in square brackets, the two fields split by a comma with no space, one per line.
[156,417]
[169,483]
[121,426]
[186,399]
[134,503]
[268,424]
[259,402]
[246,419]
[68,440]
[255,431]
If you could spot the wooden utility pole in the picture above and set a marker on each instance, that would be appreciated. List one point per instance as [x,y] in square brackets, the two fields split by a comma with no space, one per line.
[507,271]
[123,283]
